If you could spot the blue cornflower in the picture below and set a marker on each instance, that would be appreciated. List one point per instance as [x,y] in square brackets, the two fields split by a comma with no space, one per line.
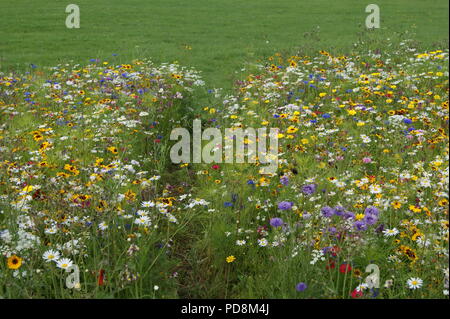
[285,205]
[327,211]
[407,121]
[349,215]
[339,211]
[371,211]
[370,219]
[284,180]
[276,222]
[301,287]
[309,189]
[360,225]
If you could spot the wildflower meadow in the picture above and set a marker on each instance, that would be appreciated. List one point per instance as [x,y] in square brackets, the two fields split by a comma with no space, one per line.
[92,204]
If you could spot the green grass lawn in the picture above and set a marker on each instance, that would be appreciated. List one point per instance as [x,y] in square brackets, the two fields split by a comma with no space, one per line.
[221,35]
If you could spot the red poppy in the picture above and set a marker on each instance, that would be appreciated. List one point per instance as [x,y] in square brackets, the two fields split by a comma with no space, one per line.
[101,277]
[357,294]
[215,167]
[345,268]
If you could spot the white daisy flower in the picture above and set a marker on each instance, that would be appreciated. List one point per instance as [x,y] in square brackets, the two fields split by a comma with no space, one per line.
[143,220]
[64,263]
[375,189]
[148,204]
[262,242]
[102,226]
[51,255]
[414,283]
[390,232]
[52,230]
[240,242]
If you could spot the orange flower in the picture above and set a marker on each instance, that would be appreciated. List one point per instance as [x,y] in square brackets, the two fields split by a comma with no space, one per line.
[14,262]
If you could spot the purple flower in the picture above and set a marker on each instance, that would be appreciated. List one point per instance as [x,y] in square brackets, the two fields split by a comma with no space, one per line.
[284,180]
[380,228]
[348,215]
[339,210]
[285,205]
[370,219]
[371,211]
[301,286]
[360,225]
[332,230]
[276,222]
[327,211]
[309,189]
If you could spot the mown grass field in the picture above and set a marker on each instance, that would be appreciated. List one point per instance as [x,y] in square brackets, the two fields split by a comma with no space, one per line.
[217,37]
[86,180]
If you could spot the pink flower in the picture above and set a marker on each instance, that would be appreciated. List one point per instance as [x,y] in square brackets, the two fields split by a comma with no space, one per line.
[367,160]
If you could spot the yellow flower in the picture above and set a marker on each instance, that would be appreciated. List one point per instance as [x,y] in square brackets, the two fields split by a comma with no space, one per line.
[37,137]
[230,259]
[130,195]
[291,129]
[443,202]
[14,262]
[415,209]
[396,204]
[113,150]
[27,189]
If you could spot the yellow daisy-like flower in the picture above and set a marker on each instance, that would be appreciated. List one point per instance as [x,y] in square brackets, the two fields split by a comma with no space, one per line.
[14,262]
[27,189]
[230,259]
[396,204]
[113,150]
[291,129]
[130,195]
[443,202]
